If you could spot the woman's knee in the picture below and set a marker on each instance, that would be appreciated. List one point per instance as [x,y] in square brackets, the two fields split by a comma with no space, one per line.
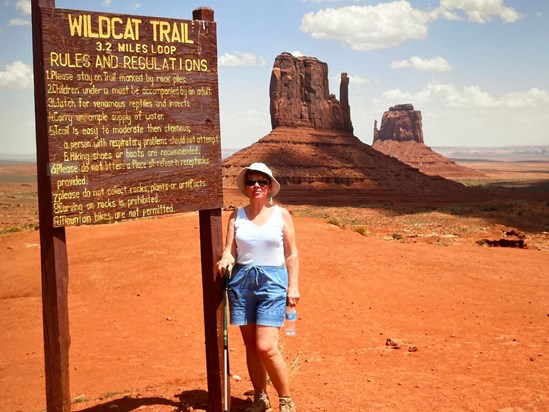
[267,348]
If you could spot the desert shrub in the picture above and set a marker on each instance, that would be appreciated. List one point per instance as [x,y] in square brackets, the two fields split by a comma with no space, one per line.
[334,220]
[80,399]
[363,230]
[396,236]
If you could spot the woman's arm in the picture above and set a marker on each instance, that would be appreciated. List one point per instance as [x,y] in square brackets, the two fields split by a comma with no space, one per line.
[291,256]
[228,257]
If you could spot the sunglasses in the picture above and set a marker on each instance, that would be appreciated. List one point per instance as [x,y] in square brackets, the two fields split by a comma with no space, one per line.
[260,182]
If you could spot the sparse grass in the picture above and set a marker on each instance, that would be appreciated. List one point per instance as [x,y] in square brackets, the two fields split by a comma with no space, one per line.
[105,396]
[80,399]
[293,362]
[363,230]
[112,394]
[464,222]
[333,220]
[443,242]
[13,229]
[17,178]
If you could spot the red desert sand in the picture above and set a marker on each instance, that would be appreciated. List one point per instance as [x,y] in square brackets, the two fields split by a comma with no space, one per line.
[402,309]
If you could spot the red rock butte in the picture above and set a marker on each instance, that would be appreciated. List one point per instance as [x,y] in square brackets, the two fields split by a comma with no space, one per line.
[401,136]
[315,155]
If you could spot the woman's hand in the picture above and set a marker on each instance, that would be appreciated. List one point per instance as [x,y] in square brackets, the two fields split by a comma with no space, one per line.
[224,264]
[293,296]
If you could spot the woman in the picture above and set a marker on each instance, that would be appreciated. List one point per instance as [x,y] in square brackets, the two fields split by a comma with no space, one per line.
[261,246]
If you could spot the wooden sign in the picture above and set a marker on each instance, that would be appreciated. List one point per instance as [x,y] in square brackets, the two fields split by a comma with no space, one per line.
[127,126]
[132,116]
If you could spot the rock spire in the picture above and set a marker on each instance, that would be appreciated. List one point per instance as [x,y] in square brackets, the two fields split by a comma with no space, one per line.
[300,96]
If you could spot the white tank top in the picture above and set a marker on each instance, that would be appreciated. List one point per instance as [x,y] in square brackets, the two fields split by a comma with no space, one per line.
[260,245]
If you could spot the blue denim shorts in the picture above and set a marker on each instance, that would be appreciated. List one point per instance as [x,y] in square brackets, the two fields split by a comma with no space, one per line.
[257,295]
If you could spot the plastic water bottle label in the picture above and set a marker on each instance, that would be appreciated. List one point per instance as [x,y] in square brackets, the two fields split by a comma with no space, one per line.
[291,317]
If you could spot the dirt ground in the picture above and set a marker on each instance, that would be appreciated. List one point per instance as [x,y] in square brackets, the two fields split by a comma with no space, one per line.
[404,307]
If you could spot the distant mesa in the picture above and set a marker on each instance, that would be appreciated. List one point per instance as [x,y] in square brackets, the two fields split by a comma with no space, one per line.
[312,146]
[401,136]
[401,123]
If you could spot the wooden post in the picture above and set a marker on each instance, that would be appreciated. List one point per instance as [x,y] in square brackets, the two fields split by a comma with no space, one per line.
[53,248]
[211,248]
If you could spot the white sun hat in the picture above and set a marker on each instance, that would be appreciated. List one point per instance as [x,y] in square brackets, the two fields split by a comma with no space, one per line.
[257,167]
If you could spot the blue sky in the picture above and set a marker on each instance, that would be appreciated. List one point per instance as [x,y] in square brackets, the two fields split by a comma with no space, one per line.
[478,70]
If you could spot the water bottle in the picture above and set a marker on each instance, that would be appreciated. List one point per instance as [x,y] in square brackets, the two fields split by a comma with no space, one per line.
[291,324]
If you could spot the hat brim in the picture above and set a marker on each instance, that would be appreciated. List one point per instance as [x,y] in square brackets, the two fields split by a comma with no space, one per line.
[275,186]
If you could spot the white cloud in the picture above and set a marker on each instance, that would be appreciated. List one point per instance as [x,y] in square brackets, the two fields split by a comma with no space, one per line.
[437,64]
[24,6]
[17,75]
[240,59]
[384,25]
[297,53]
[354,80]
[468,98]
[358,80]
[366,28]
[107,3]
[531,98]
[478,11]
[19,22]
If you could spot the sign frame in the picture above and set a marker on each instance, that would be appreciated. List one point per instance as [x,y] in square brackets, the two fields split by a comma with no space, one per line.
[54,261]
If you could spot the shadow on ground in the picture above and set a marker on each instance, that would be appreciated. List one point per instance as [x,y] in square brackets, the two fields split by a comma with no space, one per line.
[129,403]
[191,400]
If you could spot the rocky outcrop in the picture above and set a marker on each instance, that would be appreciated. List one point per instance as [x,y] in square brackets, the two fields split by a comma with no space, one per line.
[401,123]
[300,96]
[312,146]
[401,137]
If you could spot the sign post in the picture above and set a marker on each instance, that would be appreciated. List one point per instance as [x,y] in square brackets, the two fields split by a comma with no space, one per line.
[211,248]
[53,249]
[127,127]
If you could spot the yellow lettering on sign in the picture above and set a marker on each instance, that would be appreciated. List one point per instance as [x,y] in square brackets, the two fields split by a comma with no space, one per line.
[104,27]
[177,32]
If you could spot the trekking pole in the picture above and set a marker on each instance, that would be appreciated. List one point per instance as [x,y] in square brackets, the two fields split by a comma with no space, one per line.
[225,342]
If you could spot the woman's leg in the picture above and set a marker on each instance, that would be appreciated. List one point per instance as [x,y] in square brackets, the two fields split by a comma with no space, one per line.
[256,370]
[271,358]
[263,356]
